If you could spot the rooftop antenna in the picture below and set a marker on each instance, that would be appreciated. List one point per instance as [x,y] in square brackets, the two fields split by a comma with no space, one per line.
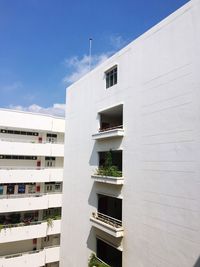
[90,54]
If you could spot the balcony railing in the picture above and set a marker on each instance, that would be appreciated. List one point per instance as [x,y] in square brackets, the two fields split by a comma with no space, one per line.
[28,168]
[28,141]
[22,223]
[27,253]
[107,219]
[107,224]
[110,128]
[111,132]
[28,195]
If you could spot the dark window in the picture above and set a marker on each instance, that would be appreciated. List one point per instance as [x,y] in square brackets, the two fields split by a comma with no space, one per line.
[10,189]
[17,157]
[21,188]
[19,132]
[50,158]
[111,77]
[51,135]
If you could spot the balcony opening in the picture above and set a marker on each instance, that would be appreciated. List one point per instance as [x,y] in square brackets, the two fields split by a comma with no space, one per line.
[110,164]
[110,206]
[109,254]
[111,118]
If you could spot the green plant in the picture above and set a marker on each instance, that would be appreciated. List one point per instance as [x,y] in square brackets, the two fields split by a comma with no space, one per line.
[111,171]
[108,169]
[1,227]
[95,262]
[49,222]
[56,217]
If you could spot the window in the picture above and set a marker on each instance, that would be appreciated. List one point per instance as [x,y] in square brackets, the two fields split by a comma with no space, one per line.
[18,132]
[21,189]
[111,77]
[18,157]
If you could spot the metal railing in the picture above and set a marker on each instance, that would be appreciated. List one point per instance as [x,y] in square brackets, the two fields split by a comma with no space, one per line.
[27,253]
[110,128]
[107,219]
[28,195]
[28,168]
[29,141]
[22,224]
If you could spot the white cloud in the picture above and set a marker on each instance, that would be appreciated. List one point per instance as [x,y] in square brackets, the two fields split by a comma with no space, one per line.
[77,67]
[80,66]
[56,109]
[117,42]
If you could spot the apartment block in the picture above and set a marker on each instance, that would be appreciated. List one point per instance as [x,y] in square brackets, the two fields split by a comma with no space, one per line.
[132,190]
[31,181]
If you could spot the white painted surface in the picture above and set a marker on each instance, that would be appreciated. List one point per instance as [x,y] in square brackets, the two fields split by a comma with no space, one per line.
[31,175]
[52,254]
[32,259]
[108,179]
[105,227]
[31,149]
[27,120]
[108,134]
[29,232]
[158,83]
[40,202]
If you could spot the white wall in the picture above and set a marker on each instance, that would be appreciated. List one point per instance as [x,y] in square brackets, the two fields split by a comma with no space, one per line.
[159,87]
[30,203]
[30,176]
[31,149]
[29,232]
[27,120]
[36,259]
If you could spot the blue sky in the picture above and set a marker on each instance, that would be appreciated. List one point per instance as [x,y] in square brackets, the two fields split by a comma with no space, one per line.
[44,43]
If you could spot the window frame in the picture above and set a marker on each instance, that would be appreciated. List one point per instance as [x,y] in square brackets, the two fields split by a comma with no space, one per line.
[111,76]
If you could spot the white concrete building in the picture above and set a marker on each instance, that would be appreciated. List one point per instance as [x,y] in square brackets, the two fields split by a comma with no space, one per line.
[143,104]
[31,176]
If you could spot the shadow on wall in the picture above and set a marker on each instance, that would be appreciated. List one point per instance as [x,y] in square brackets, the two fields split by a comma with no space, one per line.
[103,145]
[92,200]
[197,264]
[91,241]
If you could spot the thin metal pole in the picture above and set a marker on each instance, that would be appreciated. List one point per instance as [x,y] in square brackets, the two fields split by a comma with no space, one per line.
[90,53]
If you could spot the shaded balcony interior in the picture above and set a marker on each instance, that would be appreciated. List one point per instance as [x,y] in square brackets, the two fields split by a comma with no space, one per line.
[110,206]
[108,217]
[52,264]
[111,118]
[29,162]
[17,219]
[108,254]
[30,136]
[11,249]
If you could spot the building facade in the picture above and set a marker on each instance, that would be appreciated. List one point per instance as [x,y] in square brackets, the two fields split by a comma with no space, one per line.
[31,177]
[132,190]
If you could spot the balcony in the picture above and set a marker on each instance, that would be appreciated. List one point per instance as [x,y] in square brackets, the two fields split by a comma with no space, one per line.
[33,149]
[108,179]
[31,258]
[21,174]
[111,123]
[110,132]
[23,202]
[110,168]
[107,224]
[32,230]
